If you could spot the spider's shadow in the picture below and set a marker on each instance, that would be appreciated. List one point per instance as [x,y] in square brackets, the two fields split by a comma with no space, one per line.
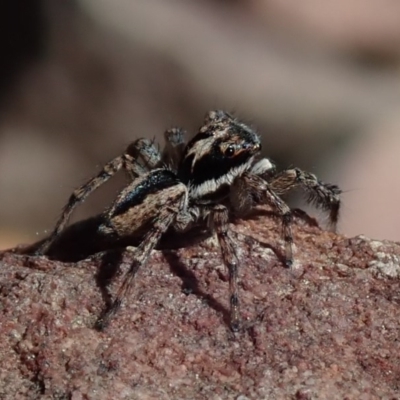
[190,284]
[81,241]
[278,253]
[297,213]
[262,212]
[109,266]
[111,260]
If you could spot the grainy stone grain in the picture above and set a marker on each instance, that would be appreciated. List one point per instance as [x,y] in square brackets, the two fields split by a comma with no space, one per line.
[328,329]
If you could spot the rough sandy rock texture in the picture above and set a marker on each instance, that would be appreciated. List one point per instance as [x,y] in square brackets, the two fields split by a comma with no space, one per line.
[328,329]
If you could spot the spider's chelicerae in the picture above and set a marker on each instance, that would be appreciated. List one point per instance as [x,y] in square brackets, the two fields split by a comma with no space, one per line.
[215,175]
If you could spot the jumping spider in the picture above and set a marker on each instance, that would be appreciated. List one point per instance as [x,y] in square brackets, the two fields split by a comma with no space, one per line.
[212,177]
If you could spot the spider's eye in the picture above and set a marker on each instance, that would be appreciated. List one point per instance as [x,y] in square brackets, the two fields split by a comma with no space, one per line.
[230,151]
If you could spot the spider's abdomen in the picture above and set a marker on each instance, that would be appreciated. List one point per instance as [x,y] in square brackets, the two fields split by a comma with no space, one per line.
[138,206]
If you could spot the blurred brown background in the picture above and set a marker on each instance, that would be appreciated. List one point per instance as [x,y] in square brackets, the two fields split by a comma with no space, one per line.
[80,79]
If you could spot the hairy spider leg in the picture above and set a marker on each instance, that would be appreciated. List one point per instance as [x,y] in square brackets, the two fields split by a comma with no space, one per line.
[218,219]
[146,155]
[323,195]
[141,255]
[140,150]
[250,189]
[147,207]
[174,147]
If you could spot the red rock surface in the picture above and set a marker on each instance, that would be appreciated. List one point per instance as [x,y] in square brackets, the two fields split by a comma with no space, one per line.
[326,330]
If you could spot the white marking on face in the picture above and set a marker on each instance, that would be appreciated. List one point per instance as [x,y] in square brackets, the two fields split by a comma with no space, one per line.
[199,149]
[204,146]
[211,185]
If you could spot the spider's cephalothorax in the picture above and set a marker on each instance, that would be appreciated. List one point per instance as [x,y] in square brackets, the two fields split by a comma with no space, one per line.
[214,176]
[223,150]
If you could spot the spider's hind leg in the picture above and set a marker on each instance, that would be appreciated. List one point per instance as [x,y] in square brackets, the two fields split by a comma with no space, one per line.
[149,206]
[139,157]
[80,194]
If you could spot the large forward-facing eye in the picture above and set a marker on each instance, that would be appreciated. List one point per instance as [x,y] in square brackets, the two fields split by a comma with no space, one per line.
[230,150]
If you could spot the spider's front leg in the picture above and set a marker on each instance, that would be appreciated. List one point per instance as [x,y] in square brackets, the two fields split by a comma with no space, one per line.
[249,190]
[218,221]
[138,158]
[324,195]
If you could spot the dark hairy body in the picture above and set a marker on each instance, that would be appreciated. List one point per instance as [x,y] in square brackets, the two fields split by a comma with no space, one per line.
[202,183]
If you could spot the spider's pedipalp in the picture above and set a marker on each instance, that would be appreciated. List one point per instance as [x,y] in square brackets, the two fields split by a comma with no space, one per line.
[263,167]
